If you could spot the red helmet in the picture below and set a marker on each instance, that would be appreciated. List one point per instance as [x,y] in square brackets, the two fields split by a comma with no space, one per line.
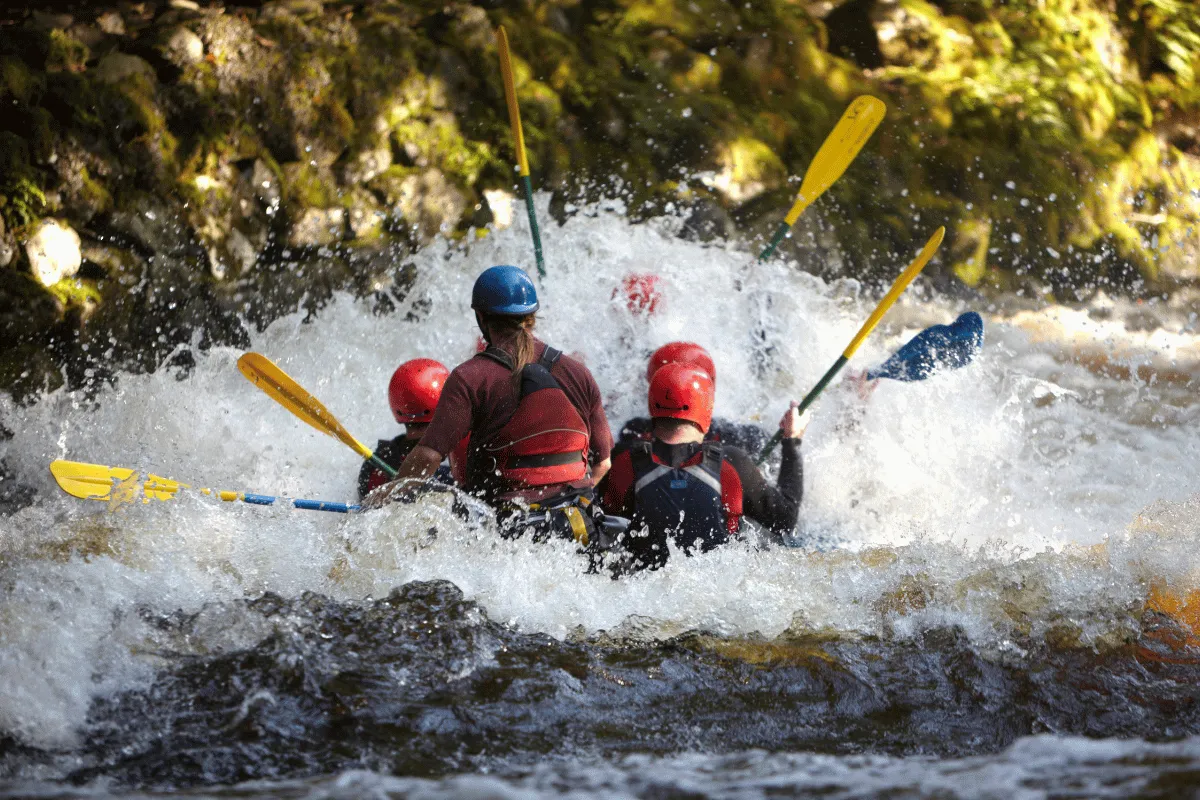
[681,353]
[642,292]
[415,388]
[681,391]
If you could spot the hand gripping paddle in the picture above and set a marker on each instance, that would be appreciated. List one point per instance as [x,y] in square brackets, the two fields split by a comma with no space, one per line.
[886,303]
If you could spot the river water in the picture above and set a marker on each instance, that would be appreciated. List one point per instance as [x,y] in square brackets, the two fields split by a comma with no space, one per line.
[964,612]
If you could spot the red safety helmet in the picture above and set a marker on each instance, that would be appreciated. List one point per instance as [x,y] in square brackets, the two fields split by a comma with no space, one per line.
[415,388]
[681,391]
[681,353]
[642,292]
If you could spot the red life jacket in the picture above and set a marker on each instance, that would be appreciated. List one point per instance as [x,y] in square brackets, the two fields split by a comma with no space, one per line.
[544,442]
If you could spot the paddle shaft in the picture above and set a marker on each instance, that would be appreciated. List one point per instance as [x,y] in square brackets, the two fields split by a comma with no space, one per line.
[808,400]
[383,465]
[306,505]
[527,187]
[283,389]
[780,234]
[514,119]
[901,283]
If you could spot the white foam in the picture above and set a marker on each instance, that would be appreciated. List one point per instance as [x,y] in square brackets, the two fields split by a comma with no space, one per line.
[958,478]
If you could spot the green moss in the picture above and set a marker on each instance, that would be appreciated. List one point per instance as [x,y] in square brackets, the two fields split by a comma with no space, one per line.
[66,53]
[305,186]
[22,198]
[18,82]
[77,293]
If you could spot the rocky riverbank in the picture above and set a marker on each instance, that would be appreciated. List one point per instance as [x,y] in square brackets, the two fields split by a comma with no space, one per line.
[171,172]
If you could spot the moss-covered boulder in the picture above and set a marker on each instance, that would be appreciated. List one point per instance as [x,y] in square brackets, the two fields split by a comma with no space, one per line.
[197,149]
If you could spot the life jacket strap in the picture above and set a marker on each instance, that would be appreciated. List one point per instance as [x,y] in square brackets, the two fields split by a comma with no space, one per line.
[544,460]
[550,357]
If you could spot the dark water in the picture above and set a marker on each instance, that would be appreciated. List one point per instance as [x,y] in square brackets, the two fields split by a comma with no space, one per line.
[422,684]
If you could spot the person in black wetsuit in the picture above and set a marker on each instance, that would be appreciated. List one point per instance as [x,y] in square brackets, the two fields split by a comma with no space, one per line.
[678,486]
[413,394]
[744,435]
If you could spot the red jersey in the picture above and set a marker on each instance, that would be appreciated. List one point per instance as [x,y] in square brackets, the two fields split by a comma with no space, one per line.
[480,397]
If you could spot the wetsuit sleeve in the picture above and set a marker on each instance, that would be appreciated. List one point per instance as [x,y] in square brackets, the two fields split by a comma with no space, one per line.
[617,488]
[601,435]
[364,479]
[776,508]
[452,417]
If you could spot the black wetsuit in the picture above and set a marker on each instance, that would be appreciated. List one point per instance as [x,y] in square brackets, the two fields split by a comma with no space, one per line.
[744,435]
[392,452]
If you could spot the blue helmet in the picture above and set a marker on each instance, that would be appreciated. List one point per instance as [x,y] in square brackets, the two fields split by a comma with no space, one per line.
[504,290]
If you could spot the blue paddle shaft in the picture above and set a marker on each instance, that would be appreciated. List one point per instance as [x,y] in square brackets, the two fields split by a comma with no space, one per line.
[307,505]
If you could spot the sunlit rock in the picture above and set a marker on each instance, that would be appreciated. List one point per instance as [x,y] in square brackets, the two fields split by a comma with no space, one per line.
[116,67]
[314,227]
[748,168]
[7,250]
[53,252]
[916,34]
[424,201]
[183,47]
[111,23]
[500,203]
[364,214]
[367,164]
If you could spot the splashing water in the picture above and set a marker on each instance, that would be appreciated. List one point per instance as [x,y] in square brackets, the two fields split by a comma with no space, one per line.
[1001,500]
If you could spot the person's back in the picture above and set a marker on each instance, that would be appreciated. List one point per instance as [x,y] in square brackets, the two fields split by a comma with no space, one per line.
[538,434]
[677,487]
[502,414]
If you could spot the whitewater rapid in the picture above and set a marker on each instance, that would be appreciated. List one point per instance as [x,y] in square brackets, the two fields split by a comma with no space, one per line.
[1018,480]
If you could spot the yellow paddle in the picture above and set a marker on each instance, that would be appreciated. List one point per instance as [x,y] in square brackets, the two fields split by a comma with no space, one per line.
[264,374]
[96,481]
[840,147]
[514,118]
[897,289]
[120,485]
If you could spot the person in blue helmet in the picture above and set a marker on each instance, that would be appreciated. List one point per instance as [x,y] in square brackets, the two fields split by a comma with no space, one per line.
[539,439]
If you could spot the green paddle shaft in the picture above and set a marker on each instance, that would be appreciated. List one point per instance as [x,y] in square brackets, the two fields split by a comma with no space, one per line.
[780,233]
[527,186]
[383,465]
[808,400]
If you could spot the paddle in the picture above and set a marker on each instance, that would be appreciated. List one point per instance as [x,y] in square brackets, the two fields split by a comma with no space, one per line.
[935,348]
[264,374]
[840,147]
[119,484]
[898,287]
[514,118]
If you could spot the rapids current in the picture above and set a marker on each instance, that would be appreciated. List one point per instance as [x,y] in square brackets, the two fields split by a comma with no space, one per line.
[972,566]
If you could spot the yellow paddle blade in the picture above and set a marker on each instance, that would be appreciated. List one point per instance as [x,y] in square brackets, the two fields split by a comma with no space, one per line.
[510,96]
[159,488]
[88,481]
[840,147]
[897,289]
[264,374]
[99,482]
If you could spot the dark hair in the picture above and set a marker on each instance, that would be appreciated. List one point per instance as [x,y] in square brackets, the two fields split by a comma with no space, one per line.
[502,328]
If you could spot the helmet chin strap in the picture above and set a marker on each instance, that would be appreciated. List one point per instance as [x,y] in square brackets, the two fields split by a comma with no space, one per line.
[487,336]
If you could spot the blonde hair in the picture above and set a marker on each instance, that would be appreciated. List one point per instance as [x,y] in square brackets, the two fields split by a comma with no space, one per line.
[520,331]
